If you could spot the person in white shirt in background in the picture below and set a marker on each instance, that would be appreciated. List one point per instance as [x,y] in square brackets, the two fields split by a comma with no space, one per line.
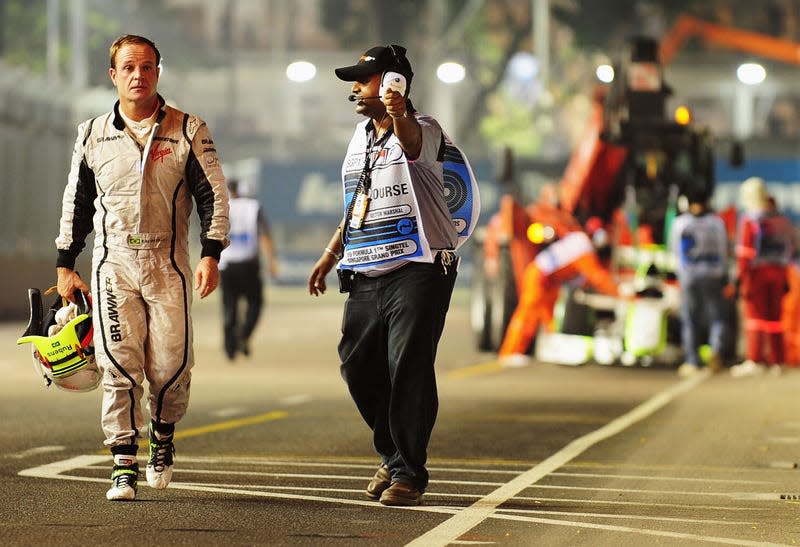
[240,269]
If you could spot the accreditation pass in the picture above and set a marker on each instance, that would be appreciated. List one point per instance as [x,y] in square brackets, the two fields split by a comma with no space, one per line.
[359,211]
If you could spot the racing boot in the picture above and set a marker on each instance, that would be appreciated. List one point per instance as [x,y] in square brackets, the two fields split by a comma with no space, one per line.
[159,467]
[123,478]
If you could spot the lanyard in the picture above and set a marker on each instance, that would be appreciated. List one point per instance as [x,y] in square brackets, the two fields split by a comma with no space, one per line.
[365,179]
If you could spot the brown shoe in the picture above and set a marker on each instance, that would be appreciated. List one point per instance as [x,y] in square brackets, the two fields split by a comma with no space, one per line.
[380,482]
[400,493]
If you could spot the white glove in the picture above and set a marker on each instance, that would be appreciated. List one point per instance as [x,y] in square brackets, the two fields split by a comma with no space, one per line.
[63,316]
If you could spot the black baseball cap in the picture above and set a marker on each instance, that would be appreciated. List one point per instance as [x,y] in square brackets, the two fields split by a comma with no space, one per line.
[697,195]
[375,60]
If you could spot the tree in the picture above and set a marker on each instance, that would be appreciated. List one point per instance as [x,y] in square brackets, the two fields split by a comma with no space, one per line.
[485,39]
[484,36]
[23,33]
[373,22]
[24,26]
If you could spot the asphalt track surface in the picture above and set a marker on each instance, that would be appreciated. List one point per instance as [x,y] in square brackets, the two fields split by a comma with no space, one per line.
[272,451]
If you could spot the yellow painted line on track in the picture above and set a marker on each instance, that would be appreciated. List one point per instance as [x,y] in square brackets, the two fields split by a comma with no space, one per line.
[231,424]
[476,370]
[226,425]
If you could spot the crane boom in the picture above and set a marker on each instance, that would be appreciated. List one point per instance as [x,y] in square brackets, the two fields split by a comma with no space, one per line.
[747,41]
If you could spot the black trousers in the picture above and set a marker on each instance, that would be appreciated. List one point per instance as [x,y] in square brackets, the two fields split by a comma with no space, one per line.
[240,281]
[390,333]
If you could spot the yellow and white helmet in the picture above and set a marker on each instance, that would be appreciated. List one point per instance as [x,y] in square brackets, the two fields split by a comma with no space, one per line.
[62,342]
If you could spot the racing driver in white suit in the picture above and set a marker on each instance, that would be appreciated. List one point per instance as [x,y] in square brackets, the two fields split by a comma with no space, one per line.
[134,173]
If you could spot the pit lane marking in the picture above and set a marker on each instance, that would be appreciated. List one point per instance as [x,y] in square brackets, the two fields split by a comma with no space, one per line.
[57,469]
[293,400]
[630,529]
[467,519]
[228,412]
[35,451]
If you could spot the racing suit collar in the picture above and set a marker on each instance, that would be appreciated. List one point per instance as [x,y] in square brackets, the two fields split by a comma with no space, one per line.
[119,123]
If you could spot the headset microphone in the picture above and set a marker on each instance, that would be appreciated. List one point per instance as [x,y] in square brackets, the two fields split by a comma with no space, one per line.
[353,98]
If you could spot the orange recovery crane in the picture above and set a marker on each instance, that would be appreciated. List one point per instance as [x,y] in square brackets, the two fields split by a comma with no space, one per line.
[628,169]
[755,43]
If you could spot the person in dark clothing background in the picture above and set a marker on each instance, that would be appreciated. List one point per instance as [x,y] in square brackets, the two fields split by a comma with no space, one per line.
[240,269]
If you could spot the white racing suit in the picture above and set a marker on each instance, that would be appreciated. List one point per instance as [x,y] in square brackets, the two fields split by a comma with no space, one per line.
[138,201]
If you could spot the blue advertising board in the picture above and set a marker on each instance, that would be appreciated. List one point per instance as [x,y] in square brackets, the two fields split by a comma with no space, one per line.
[782,176]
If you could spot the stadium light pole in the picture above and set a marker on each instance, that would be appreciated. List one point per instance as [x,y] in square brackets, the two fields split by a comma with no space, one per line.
[80,70]
[750,75]
[449,74]
[541,39]
[53,38]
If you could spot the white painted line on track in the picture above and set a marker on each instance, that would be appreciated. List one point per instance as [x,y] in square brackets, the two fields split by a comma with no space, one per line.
[783,440]
[277,495]
[453,528]
[733,495]
[36,451]
[783,465]
[228,412]
[308,476]
[266,461]
[620,516]
[295,400]
[649,504]
[56,470]
[657,478]
[251,460]
[279,475]
[502,511]
[755,496]
[640,531]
